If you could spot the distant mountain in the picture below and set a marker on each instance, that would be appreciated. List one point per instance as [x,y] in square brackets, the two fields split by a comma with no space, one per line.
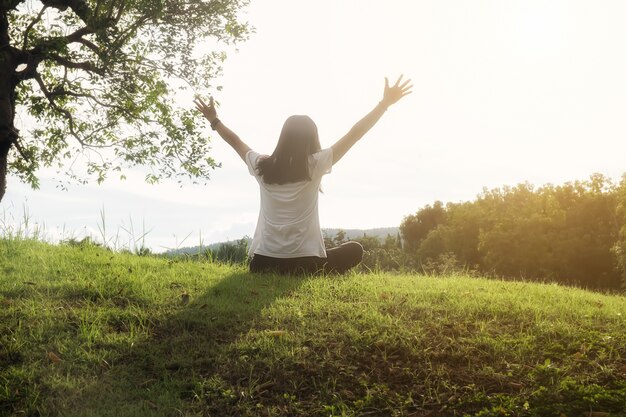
[193,250]
[379,232]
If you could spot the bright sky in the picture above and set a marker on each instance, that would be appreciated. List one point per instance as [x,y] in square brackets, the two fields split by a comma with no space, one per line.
[505,92]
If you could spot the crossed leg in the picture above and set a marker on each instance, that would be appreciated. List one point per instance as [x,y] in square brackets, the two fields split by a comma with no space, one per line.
[339,260]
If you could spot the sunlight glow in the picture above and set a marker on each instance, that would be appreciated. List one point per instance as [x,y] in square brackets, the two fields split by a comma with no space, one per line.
[505,92]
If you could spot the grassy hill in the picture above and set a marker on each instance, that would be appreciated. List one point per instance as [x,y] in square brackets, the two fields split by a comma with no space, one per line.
[88,332]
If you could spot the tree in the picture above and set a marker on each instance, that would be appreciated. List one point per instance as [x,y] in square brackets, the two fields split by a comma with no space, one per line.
[340,237]
[573,233]
[619,249]
[415,227]
[98,78]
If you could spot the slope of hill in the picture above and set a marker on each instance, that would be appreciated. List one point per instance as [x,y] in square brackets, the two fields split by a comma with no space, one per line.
[88,332]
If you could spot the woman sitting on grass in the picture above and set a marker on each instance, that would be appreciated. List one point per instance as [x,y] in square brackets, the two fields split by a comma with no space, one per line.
[288,238]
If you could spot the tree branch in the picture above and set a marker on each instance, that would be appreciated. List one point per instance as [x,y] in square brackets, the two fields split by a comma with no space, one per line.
[99,129]
[78,34]
[120,10]
[96,10]
[89,45]
[130,31]
[80,7]
[38,52]
[41,50]
[19,148]
[58,92]
[31,25]
[64,112]
[13,139]
[85,66]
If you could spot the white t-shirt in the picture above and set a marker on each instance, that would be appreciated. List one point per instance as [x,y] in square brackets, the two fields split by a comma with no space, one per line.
[289,224]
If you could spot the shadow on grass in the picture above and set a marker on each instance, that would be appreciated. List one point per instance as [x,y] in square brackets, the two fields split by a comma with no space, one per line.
[163,372]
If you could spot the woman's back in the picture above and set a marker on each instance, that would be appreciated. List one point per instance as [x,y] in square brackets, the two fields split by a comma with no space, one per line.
[288,224]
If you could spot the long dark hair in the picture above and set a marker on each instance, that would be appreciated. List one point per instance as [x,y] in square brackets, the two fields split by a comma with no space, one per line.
[290,160]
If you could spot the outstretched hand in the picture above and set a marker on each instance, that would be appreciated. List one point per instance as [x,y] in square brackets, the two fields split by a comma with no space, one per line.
[396,92]
[208,111]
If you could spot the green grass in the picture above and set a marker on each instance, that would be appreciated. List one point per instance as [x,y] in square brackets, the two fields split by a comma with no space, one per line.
[143,336]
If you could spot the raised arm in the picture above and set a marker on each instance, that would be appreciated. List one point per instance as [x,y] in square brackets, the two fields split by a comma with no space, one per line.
[228,135]
[390,96]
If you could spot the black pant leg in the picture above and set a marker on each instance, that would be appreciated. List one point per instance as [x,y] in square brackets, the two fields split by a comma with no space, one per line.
[343,257]
[338,260]
[287,266]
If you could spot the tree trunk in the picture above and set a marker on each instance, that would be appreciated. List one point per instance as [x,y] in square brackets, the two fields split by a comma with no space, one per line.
[4,153]
[7,102]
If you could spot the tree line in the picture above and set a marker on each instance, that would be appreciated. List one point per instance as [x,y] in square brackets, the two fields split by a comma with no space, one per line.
[573,233]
